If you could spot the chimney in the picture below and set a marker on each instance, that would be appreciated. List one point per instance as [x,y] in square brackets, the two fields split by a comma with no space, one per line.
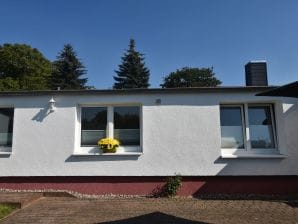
[256,73]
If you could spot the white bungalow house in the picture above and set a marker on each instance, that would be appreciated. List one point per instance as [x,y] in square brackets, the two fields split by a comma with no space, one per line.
[220,140]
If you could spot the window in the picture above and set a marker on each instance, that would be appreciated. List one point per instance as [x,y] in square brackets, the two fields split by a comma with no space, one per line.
[260,127]
[119,122]
[231,127]
[94,124]
[127,125]
[6,126]
[247,127]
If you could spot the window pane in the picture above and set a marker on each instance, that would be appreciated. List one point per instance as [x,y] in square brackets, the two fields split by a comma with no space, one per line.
[231,127]
[260,127]
[6,125]
[93,125]
[127,125]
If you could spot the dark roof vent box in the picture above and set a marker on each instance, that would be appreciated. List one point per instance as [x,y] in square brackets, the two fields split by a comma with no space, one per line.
[256,73]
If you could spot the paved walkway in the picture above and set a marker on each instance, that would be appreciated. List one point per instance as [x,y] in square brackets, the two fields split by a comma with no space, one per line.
[149,210]
[20,198]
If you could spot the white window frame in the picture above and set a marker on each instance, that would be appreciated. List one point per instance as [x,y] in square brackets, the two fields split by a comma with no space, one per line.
[7,150]
[82,150]
[248,151]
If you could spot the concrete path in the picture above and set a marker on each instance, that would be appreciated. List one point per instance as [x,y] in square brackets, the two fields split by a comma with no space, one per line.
[149,210]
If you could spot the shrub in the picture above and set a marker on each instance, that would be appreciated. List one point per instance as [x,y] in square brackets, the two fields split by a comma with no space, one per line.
[173,184]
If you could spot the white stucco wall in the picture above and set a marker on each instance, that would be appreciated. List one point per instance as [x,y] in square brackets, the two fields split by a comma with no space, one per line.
[181,135]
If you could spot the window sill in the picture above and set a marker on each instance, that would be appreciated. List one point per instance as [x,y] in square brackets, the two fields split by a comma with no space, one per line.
[243,153]
[5,150]
[95,151]
[252,155]
[5,153]
[109,154]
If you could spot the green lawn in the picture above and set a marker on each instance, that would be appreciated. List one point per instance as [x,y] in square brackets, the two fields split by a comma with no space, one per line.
[5,209]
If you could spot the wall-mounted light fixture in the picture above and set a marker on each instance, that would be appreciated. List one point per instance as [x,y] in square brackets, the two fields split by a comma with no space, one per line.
[52,103]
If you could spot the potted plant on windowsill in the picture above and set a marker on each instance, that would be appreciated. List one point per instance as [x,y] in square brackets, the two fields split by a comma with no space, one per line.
[108,145]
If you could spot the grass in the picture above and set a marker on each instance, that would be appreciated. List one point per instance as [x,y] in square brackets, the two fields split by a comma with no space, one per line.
[6,209]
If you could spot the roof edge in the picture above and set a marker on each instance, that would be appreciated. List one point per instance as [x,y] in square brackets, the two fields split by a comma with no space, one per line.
[138,91]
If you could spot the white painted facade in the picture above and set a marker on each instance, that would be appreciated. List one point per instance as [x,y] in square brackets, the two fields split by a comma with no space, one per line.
[179,135]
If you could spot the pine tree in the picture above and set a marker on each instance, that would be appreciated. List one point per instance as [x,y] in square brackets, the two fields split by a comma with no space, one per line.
[132,72]
[67,70]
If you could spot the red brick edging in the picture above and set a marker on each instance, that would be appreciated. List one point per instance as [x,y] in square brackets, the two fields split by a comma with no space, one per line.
[262,185]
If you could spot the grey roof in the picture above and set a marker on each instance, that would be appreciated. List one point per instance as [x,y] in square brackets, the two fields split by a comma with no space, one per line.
[140,91]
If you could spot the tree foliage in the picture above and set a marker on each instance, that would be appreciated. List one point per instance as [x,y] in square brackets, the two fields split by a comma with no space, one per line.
[191,77]
[67,70]
[23,68]
[132,72]
[9,84]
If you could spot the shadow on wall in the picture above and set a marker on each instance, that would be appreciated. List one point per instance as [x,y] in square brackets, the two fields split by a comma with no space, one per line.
[237,187]
[293,110]
[242,166]
[291,121]
[155,217]
[42,114]
[80,158]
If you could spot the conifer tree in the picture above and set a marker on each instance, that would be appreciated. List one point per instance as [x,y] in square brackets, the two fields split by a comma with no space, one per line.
[67,70]
[132,72]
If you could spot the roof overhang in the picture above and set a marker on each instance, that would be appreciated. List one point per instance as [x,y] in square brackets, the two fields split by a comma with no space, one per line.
[289,90]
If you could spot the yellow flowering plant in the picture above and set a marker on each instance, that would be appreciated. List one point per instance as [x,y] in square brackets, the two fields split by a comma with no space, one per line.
[108,145]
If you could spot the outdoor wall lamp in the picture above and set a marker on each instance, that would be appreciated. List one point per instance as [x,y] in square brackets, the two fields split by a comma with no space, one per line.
[52,103]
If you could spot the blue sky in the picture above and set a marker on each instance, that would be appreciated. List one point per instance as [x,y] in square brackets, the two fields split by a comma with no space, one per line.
[171,33]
